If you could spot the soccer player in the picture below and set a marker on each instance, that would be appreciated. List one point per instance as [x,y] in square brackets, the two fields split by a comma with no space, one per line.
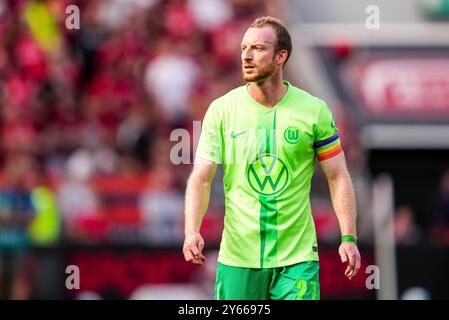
[267,135]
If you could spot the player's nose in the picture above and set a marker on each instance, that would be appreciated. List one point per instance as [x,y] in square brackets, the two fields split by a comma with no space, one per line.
[246,56]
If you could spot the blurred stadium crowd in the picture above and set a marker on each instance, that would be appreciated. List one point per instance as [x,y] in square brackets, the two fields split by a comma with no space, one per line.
[86,117]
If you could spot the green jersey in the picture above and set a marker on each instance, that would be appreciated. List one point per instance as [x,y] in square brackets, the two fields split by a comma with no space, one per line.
[268,158]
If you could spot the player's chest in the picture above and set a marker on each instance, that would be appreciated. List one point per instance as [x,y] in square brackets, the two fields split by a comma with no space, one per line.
[278,131]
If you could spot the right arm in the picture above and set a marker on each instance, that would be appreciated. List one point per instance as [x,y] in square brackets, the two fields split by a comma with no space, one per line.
[196,203]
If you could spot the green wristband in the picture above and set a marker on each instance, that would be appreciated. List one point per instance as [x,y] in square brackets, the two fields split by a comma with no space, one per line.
[349,239]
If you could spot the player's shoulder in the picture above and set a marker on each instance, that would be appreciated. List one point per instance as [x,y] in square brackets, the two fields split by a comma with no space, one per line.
[308,102]
[306,97]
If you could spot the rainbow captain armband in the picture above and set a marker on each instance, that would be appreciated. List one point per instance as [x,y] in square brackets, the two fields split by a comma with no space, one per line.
[328,148]
[349,239]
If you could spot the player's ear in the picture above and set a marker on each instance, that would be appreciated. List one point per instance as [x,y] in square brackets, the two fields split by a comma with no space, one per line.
[281,57]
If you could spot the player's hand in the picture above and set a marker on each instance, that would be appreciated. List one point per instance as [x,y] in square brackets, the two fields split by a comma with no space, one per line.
[193,247]
[350,253]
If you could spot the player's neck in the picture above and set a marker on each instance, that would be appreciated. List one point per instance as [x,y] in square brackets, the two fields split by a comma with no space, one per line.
[269,92]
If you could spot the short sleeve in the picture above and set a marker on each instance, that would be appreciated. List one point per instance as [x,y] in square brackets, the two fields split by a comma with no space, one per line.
[209,144]
[327,141]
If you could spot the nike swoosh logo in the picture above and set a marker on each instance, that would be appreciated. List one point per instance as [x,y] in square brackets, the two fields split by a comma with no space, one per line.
[235,135]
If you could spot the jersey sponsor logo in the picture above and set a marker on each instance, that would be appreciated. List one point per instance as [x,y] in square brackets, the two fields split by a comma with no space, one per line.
[267,175]
[292,135]
[235,135]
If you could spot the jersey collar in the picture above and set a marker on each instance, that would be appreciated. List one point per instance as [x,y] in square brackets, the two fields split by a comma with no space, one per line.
[261,106]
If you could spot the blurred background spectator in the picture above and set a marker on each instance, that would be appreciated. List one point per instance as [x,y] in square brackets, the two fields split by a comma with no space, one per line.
[16,213]
[440,228]
[162,207]
[406,230]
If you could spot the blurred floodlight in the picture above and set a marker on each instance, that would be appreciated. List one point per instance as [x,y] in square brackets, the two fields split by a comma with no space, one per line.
[416,293]
[169,292]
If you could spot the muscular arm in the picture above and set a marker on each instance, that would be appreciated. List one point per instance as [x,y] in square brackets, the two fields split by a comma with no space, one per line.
[196,203]
[344,203]
[342,193]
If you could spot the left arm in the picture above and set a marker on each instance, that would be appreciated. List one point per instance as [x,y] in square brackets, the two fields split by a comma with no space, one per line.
[344,204]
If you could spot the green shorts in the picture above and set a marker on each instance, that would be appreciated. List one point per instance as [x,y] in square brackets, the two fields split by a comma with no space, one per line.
[296,282]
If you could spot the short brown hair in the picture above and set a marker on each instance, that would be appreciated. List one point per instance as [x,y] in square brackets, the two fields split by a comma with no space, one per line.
[284,42]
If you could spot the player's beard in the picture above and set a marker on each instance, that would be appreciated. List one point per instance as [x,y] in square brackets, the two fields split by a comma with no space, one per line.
[259,73]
